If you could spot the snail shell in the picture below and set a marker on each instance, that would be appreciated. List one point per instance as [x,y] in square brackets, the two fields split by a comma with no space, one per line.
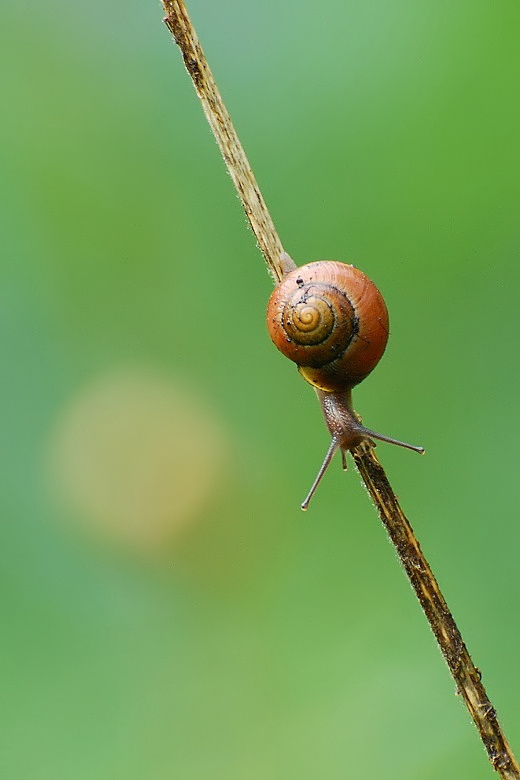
[332,321]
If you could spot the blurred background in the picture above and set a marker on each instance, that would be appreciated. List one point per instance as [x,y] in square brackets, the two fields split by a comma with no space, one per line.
[167,610]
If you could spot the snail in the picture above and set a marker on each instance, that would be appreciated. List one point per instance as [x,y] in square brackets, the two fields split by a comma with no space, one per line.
[332,321]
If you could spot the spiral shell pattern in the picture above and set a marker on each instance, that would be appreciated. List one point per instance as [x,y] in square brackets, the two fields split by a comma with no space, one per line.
[331,320]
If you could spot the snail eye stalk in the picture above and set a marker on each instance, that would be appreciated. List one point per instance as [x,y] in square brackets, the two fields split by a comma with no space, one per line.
[363,433]
[323,468]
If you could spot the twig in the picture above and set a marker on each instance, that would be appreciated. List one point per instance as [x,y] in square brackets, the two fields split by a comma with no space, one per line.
[467,677]
[180,26]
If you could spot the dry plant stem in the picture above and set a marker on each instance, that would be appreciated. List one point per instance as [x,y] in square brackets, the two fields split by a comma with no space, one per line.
[465,674]
[180,26]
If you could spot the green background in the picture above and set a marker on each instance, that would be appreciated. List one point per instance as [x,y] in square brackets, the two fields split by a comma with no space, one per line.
[167,611]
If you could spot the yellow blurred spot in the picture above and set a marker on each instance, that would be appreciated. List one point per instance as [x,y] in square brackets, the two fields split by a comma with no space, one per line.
[137,457]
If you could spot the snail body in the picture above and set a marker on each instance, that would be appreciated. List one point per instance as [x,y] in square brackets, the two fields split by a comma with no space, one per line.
[331,320]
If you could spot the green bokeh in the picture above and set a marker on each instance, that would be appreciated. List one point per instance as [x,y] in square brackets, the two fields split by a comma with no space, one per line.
[259,643]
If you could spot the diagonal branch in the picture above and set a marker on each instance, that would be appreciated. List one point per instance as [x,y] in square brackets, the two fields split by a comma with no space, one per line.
[180,26]
[467,677]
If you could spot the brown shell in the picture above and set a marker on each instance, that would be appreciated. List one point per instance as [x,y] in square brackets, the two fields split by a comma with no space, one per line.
[331,320]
